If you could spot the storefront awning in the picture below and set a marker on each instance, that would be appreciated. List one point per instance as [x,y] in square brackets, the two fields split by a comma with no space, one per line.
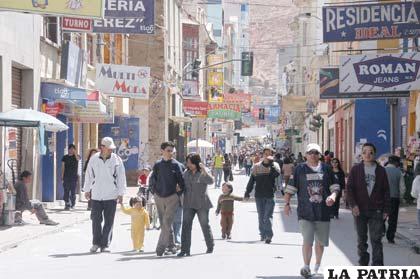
[100,109]
[18,123]
[61,93]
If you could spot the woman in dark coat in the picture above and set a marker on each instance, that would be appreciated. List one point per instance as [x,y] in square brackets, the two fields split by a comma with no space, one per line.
[339,178]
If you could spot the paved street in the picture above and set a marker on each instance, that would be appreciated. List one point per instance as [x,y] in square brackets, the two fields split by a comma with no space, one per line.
[65,254]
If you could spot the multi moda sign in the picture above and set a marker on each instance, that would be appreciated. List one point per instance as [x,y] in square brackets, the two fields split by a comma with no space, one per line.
[224,111]
[371,21]
[373,73]
[79,8]
[123,81]
[121,16]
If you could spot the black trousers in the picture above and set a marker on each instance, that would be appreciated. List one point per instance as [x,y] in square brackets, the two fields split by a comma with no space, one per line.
[103,211]
[393,219]
[187,222]
[370,221]
[70,192]
[336,206]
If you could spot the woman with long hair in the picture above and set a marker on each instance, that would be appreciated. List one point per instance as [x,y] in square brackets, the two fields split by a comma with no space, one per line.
[196,201]
[90,154]
[415,190]
[339,178]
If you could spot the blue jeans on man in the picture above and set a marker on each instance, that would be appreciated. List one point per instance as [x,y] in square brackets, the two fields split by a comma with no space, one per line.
[265,209]
[218,173]
[177,224]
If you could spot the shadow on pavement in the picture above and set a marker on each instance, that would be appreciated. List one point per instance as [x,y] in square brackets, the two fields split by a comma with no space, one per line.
[158,258]
[133,253]
[262,243]
[72,255]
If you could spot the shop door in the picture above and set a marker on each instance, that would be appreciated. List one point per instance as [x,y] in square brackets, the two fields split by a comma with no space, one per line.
[16,104]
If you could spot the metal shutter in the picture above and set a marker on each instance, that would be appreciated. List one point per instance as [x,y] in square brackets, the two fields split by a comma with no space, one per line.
[17,103]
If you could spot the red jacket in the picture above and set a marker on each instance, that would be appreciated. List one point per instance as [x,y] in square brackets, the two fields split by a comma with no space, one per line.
[357,193]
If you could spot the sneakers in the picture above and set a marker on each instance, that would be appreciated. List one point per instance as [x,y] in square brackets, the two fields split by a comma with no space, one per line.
[67,208]
[267,240]
[170,251]
[209,250]
[305,272]
[105,250]
[183,254]
[316,269]
[141,251]
[262,238]
[49,223]
[94,249]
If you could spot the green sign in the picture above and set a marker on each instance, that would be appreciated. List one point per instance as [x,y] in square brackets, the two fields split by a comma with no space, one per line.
[224,114]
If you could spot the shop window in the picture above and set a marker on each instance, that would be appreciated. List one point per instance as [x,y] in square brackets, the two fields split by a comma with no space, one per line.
[90,49]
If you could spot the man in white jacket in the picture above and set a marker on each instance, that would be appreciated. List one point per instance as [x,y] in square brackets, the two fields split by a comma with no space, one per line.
[105,185]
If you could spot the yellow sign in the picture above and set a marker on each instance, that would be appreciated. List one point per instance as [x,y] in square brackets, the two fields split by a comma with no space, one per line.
[294,103]
[80,8]
[215,59]
[215,79]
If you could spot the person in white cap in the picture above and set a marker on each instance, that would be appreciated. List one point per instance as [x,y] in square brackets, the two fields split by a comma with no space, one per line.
[105,184]
[316,190]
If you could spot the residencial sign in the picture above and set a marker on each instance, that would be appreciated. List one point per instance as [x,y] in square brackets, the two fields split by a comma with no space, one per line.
[377,21]
[224,111]
[329,80]
[78,8]
[373,73]
[195,108]
[123,81]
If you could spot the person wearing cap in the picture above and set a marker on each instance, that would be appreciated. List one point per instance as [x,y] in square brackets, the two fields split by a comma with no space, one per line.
[316,190]
[263,176]
[369,197]
[70,176]
[105,185]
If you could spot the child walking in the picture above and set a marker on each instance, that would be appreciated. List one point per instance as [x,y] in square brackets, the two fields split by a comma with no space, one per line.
[139,221]
[225,206]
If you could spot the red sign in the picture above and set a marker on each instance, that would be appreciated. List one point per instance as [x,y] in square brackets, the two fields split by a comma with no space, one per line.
[243,99]
[224,106]
[52,109]
[196,108]
[76,24]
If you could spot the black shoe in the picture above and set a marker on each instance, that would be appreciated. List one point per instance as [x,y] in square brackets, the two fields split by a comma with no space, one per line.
[229,237]
[268,241]
[159,253]
[105,250]
[262,238]
[223,236]
[209,250]
[391,241]
[183,254]
[67,208]
[170,251]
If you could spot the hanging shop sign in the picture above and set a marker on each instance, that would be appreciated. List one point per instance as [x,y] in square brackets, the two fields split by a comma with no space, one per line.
[377,21]
[329,80]
[73,65]
[195,108]
[216,95]
[265,100]
[293,103]
[123,81]
[99,110]
[374,73]
[215,79]
[224,111]
[190,90]
[64,94]
[242,99]
[80,8]
[215,59]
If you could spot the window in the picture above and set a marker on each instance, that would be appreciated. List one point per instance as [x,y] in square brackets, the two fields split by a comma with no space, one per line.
[89,50]
[51,29]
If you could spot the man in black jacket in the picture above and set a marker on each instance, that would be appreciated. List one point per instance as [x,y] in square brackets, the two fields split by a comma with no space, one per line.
[166,184]
[263,175]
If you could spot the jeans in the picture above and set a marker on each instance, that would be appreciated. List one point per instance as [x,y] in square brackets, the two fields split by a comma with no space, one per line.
[265,208]
[371,221]
[177,224]
[70,192]
[166,207]
[418,217]
[103,210]
[335,209]
[218,177]
[226,175]
[248,170]
[393,219]
[203,218]
[40,213]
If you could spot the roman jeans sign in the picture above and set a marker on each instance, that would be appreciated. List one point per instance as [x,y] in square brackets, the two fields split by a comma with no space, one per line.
[371,21]
[123,81]
[376,73]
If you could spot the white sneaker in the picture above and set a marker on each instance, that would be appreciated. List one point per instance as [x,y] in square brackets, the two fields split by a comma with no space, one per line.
[94,249]
[316,269]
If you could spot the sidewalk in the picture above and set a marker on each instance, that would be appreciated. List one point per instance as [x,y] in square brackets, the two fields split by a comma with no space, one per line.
[408,229]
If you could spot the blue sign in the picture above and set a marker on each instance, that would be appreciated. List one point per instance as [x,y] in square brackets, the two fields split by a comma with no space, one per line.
[379,21]
[127,17]
[126,134]
[59,92]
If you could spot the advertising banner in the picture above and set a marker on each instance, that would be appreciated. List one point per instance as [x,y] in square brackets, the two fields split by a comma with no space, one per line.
[243,99]
[126,134]
[190,90]
[329,88]
[379,73]
[265,100]
[216,95]
[99,110]
[195,108]
[80,8]
[64,94]
[215,79]
[224,111]
[123,81]
[293,103]
[215,59]
[73,65]
[378,21]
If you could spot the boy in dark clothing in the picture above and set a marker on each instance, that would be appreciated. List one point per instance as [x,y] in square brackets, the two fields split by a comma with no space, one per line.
[70,176]
[225,207]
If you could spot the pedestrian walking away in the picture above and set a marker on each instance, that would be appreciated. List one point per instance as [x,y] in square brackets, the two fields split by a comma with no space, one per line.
[70,176]
[368,196]
[218,162]
[139,221]
[316,191]
[105,184]
[166,184]
[396,189]
[263,177]
[196,201]
[23,203]
[340,179]
[225,207]
[227,168]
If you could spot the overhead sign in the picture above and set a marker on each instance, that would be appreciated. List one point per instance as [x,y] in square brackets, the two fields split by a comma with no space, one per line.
[224,111]
[265,100]
[79,8]
[195,108]
[73,65]
[215,95]
[123,81]
[99,110]
[215,79]
[293,103]
[215,59]
[243,99]
[62,93]
[378,21]
[329,88]
[190,89]
[374,73]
